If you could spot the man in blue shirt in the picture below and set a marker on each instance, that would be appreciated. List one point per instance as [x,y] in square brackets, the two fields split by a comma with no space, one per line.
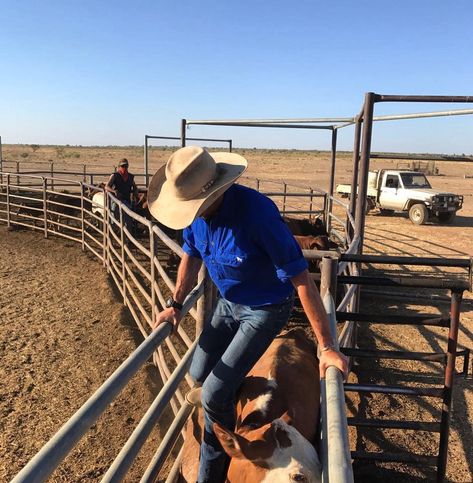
[255,263]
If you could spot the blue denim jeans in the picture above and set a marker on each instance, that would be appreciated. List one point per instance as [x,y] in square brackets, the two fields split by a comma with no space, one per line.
[229,346]
[127,220]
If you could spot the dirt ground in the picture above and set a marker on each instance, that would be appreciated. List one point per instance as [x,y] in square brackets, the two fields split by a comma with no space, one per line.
[63,331]
[73,321]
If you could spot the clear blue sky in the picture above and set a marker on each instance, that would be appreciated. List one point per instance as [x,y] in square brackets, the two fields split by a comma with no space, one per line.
[102,72]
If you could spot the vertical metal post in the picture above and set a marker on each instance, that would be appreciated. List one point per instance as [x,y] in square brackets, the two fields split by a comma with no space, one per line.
[355,302]
[122,243]
[52,175]
[8,202]
[370,99]
[146,160]
[284,199]
[105,234]
[1,154]
[183,132]
[257,184]
[45,207]
[311,203]
[82,215]
[84,171]
[324,210]
[332,180]
[152,247]
[448,384]
[17,173]
[229,144]
[354,179]
[328,277]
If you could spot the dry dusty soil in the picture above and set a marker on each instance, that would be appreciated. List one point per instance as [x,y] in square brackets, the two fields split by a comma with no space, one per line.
[63,331]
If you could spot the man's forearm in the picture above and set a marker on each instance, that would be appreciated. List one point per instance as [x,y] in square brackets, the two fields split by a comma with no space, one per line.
[186,277]
[313,308]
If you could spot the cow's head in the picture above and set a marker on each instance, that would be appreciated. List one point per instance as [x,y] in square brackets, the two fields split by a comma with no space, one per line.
[278,448]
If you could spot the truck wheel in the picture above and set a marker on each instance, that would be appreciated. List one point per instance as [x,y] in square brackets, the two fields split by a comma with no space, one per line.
[447,217]
[418,214]
[370,205]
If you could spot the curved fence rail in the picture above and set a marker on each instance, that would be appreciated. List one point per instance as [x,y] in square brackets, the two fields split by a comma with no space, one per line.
[141,259]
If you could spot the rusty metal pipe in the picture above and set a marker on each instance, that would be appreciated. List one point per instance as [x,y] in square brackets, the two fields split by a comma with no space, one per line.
[448,384]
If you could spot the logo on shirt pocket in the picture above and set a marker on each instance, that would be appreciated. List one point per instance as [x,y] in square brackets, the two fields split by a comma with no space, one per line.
[231,266]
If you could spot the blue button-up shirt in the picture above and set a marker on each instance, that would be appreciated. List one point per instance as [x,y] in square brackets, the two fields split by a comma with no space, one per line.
[249,252]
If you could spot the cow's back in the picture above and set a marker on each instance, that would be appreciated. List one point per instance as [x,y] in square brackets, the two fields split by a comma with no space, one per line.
[290,369]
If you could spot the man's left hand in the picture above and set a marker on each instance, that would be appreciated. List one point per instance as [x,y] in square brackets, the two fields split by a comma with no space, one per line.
[335,358]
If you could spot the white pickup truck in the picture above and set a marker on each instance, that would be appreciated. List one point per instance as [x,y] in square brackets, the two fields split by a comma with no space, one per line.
[409,191]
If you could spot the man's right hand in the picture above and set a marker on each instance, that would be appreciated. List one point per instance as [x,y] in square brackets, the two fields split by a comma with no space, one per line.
[171,315]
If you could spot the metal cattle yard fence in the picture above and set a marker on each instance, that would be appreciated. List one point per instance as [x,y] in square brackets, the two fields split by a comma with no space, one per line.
[141,256]
[141,259]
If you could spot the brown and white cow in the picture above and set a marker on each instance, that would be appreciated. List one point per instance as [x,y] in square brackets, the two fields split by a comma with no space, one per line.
[277,416]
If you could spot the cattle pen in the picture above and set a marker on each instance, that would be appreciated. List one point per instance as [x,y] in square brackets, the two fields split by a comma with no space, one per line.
[139,263]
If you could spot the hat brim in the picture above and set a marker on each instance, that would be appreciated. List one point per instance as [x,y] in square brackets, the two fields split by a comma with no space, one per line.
[178,214]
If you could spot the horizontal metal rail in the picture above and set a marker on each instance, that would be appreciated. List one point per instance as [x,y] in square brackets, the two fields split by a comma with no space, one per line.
[128,453]
[419,319]
[166,445]
[50,456]
[430,426]
[420,282]
[396,458]
[395,260]
[401,390]
[398,355]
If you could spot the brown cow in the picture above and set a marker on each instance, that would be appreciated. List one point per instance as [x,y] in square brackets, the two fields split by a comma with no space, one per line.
[277,417]
[310,242]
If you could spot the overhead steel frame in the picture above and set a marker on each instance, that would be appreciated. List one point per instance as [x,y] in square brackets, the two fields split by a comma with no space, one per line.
[362,139]
[306,123]
[174,138]
[367,118]
[363,135]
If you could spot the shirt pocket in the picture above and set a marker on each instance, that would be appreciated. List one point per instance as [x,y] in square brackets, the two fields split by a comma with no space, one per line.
[232,266]
[203,248]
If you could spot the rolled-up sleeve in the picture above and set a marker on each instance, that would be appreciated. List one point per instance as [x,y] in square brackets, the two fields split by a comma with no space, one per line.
[189,243]
[276,239]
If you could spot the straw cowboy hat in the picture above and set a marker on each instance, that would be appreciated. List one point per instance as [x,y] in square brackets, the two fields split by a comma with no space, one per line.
[190,182]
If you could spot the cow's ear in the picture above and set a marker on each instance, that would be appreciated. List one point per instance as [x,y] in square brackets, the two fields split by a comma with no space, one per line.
[229,441]
[288,417]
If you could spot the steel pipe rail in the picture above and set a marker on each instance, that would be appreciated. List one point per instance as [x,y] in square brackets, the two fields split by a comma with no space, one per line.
[336,458]
[167,444]
[128,453]
[50,456]
[401,260]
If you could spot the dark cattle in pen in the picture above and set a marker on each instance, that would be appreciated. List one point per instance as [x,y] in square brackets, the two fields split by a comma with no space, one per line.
[277,417]
[305,226]
[65,208]
[310,242]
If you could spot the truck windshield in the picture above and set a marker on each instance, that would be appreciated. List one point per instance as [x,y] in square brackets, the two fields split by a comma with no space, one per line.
[414,180]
